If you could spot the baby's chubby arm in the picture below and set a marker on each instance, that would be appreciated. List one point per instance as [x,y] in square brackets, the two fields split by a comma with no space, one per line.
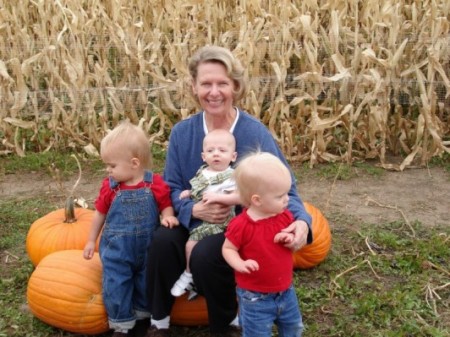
[230,199]
[231,255]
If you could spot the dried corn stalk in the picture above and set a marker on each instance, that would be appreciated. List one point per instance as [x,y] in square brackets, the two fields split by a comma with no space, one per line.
[332,80]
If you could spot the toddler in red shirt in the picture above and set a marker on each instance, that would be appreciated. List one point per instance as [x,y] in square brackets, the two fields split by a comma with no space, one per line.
[254,248]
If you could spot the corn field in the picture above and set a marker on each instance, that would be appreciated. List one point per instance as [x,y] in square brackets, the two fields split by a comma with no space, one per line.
[333,80]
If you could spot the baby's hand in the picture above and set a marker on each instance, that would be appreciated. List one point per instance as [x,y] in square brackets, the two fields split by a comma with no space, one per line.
[170,221]
[185,194]
[210,197]
[283,238]
[248,266]
[89,250]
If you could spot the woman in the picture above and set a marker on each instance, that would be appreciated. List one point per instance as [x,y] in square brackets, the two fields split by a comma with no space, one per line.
[217,84]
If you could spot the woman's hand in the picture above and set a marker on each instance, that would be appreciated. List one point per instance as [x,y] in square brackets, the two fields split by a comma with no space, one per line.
[211,212]
[300,230]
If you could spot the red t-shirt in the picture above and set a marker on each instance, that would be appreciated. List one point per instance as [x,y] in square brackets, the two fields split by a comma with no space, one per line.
[159,188]
[254,240]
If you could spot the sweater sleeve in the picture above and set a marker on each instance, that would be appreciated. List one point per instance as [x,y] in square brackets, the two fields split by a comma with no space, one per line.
[177,171]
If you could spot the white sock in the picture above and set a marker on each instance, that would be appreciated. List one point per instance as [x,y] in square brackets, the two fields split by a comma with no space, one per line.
[235,321]
[162,323]
[188,274]
[183,284]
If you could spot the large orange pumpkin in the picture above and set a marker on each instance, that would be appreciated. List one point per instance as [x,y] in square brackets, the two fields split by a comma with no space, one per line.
[189,313]
[66,228]
[311,255]
[65,291]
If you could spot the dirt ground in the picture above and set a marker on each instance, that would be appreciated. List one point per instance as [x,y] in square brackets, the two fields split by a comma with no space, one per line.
[412,195]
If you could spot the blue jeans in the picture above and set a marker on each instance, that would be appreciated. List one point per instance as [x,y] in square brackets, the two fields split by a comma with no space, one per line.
[258,312]
[127,233]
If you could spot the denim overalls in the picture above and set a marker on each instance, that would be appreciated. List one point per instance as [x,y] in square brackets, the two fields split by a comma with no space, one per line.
[128,230]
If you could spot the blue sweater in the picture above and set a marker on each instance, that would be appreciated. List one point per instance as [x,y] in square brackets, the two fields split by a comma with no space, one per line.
[184,158]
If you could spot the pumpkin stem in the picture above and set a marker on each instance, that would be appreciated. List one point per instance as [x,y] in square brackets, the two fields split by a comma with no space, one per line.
[69,211]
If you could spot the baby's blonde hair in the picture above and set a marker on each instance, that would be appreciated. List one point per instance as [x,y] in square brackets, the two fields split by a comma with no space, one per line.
[132,138]
[255,171]
[226,135]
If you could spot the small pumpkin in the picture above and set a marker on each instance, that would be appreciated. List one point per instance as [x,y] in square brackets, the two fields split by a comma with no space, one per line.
[189,313]
[313,254]
[66,228]
[65,291]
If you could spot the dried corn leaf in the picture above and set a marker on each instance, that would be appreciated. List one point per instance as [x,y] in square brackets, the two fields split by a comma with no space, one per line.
[4,71]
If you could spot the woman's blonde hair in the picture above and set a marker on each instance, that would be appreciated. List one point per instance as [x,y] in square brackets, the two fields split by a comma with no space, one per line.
[132,138]
[224,56]
[254,174]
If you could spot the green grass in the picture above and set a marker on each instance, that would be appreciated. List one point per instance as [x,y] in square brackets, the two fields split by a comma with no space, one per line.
[44,162]
[62,163]
[442,161]
[377,282]
[15,219]
[384,279]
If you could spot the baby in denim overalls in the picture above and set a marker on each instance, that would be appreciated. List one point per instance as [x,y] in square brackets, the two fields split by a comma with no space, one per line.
[255,248]
[131,203]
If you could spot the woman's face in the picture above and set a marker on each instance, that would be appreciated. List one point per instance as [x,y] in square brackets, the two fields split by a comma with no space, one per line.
[214,88]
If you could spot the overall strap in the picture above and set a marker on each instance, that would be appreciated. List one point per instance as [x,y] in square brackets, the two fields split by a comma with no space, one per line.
[148,177]
[113,184]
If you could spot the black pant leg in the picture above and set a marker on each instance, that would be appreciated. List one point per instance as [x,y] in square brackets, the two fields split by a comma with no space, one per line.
[214,279]
[166,261]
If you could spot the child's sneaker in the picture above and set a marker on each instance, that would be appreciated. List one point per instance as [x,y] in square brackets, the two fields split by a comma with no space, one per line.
[183,284]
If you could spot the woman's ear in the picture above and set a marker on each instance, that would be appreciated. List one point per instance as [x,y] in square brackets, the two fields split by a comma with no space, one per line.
[194,89]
